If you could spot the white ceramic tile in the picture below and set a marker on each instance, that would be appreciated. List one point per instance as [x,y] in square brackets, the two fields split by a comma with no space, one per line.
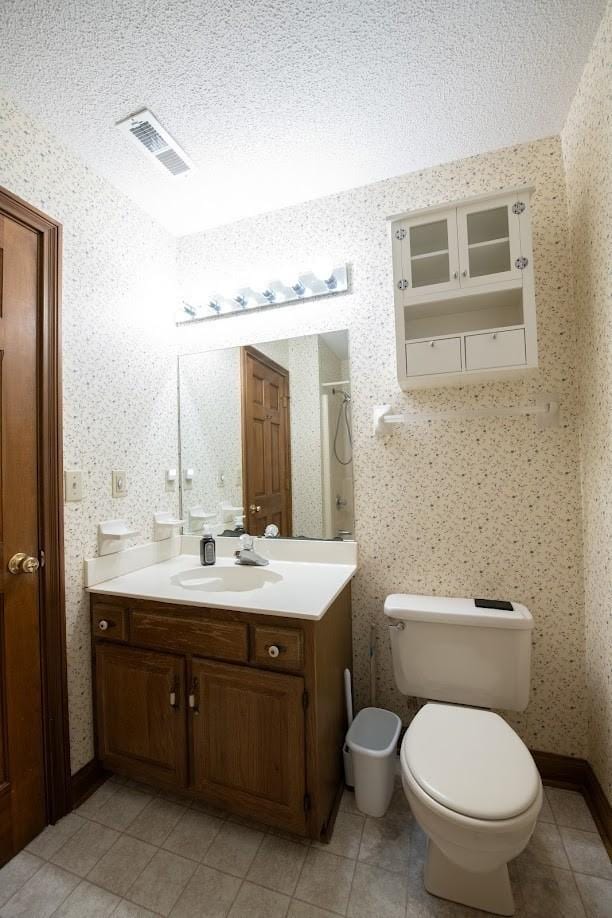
[278,864]
[156,821]
[326,880]
[596,895]
[346,836]
[377,892]
[548,891]
[193,834]
[256,902]
[53,837]
[87,901]
[161,882]
[209,894]
[586,853]
[81,852]
[234,849]
[41,895]
[17,872]
[117,869]
[570,809]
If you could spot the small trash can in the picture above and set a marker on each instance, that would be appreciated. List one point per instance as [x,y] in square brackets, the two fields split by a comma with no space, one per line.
[372,739]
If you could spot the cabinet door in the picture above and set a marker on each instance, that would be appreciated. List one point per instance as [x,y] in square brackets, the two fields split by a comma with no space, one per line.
[426,248]
[248,741]
[141,714]
[489,242]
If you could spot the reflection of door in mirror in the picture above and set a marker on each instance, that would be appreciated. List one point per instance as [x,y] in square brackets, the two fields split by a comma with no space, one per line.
[266,449]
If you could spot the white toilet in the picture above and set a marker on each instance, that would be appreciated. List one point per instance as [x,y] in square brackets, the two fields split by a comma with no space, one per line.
[471,782]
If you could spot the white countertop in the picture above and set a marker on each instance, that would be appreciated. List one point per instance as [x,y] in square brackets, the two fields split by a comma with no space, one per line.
[292,589]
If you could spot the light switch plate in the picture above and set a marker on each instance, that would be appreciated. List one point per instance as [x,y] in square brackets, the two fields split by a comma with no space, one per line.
[119,483]
[73,485]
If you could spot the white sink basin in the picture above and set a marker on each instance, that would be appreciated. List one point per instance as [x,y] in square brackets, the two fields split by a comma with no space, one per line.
[218,579]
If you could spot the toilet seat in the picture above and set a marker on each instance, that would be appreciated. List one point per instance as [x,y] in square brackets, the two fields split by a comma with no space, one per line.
[471,762]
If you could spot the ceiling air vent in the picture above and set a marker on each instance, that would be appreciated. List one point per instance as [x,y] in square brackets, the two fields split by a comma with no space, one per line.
[145,130]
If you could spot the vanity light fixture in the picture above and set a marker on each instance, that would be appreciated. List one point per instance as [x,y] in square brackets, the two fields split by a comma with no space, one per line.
[323,280]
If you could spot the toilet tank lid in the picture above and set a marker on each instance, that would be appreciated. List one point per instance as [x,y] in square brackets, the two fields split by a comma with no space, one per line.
[449,610]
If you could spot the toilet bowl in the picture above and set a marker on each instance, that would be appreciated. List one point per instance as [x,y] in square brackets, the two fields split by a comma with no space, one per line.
[474,789]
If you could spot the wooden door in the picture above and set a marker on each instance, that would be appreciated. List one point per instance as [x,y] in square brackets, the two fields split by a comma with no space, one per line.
[247,734]
[266,449]
[140,697]
[22,768]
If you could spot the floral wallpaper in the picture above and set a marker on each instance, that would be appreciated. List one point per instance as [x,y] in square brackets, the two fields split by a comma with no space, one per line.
[119,372]
[487,507]
[587,152]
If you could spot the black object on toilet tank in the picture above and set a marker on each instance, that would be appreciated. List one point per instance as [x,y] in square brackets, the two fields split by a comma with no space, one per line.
[501,604]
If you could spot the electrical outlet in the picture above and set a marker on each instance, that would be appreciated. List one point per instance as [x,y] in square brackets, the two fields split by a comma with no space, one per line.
[119,483]
[73,485]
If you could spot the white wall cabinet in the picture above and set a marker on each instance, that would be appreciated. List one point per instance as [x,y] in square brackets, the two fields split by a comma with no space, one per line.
[464,291]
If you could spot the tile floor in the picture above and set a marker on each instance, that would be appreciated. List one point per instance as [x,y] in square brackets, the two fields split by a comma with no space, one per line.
[130,852]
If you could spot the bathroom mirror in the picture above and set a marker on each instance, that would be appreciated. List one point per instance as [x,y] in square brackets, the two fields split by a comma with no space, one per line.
[265,439]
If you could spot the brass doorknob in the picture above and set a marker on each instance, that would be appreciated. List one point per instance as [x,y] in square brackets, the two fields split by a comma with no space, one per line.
[254,508]
[23,564]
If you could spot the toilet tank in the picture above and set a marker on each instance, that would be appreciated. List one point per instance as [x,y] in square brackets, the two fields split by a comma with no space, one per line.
[448,649]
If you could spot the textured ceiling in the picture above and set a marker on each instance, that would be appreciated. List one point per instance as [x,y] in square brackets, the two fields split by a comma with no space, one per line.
[281,101]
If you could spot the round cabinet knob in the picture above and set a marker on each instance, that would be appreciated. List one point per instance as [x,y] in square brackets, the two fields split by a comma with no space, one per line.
[103,624]
[254,508]
[464,274]
[273,651]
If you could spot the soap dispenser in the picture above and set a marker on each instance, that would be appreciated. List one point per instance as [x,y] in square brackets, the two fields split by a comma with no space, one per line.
[208,551]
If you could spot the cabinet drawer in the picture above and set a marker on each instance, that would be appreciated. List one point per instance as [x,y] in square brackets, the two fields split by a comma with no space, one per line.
[109,622]
[289,642]
[495,349]
[220,640]
[441,355]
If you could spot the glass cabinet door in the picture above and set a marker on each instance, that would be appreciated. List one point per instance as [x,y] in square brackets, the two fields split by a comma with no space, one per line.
[429,256]
[489,243]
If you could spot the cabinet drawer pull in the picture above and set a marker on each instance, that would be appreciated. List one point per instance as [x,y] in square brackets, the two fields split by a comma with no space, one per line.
[275,650]
[103,625]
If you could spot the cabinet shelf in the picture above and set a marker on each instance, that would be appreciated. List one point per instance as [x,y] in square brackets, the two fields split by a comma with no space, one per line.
[429,255]
[480,245]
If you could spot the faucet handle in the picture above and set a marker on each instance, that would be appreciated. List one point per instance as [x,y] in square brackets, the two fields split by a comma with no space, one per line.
[246,542]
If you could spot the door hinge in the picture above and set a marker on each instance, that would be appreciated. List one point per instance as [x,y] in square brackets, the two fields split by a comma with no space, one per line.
[518,208]
[521,263]
[305,699]
[307,803]
[400,233]
[402,284]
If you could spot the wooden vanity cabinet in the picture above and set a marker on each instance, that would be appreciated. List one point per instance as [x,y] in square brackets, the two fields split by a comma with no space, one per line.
[244,711]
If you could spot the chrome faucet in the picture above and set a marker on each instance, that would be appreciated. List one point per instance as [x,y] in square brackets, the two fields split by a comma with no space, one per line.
[247,555]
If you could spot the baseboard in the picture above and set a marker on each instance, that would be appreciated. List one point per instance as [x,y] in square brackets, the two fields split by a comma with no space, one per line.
[577,774]
[85,781]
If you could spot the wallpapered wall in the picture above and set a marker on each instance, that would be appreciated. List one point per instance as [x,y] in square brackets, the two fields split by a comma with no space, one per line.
[455,508]
[119,373]
[458,508]
[587,151]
